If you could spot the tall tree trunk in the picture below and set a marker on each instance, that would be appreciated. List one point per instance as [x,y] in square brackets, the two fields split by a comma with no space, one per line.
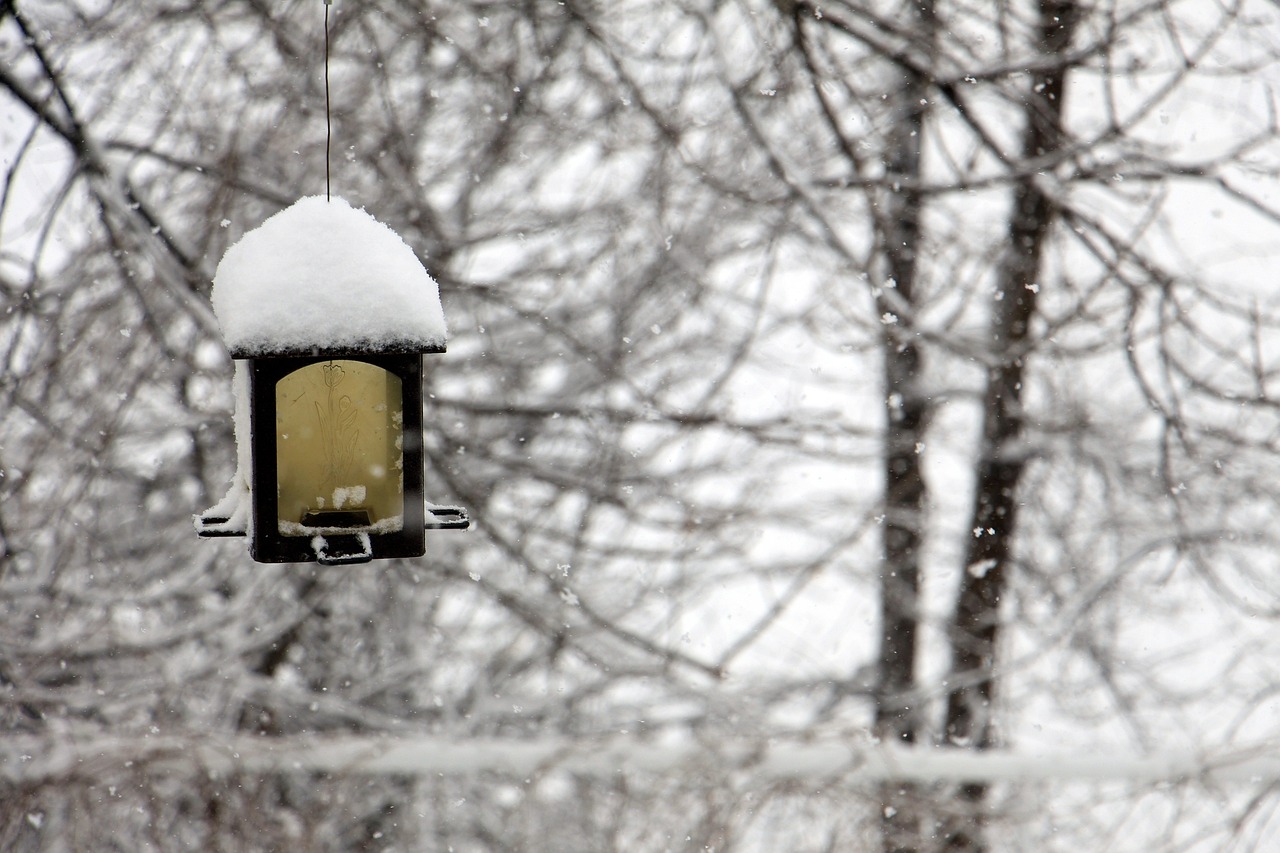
[975,628]
[898,225]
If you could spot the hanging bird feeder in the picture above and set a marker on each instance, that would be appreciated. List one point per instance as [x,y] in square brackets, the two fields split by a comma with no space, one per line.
[328,314]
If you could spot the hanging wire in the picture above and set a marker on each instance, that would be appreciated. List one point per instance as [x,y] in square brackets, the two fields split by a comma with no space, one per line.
[328,122]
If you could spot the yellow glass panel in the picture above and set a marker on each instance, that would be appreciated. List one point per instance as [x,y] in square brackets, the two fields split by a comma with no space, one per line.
[339,441]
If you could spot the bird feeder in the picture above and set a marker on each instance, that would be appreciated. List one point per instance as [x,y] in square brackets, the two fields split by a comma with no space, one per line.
[328,315]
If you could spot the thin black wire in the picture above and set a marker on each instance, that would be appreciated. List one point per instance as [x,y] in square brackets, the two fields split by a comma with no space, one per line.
[328,122]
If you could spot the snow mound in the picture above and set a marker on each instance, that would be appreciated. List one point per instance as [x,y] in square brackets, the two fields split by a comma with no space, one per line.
[321,274]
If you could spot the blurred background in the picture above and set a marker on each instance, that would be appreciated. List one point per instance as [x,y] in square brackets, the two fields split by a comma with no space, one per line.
[865,372]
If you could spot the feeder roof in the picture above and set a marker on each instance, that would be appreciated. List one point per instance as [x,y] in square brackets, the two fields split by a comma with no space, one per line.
[322,276]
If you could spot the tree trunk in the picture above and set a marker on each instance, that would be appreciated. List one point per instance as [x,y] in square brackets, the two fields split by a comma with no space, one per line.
[975,627]
[898,225]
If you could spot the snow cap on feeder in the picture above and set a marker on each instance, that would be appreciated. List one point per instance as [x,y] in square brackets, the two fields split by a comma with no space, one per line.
[328,313]
[322,274]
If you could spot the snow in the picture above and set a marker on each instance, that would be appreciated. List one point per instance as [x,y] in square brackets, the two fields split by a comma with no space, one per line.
[234,505]
[322,274]
[826,763]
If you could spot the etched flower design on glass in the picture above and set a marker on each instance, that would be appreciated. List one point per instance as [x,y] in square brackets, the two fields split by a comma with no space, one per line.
[339,434]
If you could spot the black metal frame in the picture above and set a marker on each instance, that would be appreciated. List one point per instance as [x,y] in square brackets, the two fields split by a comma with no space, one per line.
[267,545]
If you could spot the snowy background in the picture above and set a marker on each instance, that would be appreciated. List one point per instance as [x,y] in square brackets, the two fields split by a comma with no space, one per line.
[865,409]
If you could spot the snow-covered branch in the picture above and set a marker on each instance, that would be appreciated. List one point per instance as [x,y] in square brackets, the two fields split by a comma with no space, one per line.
[824,762]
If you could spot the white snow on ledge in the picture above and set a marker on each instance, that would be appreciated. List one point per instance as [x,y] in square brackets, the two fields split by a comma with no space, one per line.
[322,274]
[822,763]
